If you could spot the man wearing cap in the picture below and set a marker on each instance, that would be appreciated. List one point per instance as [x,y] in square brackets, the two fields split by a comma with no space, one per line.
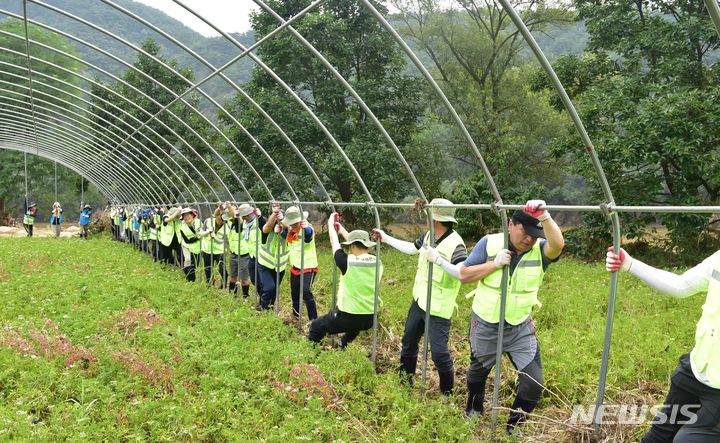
[239,251]
[189,233]
[445,287]
[528,259]
[85,216]
[29,216]
[272,258]
[693,400]
[300,238]
[170,236]
[356,291]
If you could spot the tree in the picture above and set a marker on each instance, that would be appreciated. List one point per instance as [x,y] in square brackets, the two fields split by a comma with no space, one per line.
[475,54]
[363,53]
[647,92]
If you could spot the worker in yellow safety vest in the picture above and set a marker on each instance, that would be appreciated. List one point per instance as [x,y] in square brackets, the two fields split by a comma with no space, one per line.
[302,258]
[691,411]
[356,291]
[445,287]
[527,260]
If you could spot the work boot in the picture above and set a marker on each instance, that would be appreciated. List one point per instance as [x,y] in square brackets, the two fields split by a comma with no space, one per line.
[476,396]
[407,368]
[447,382]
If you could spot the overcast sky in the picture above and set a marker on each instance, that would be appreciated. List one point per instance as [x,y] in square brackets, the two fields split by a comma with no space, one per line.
[229,15]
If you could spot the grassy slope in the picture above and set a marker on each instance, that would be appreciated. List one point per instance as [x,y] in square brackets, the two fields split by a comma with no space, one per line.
[225,357]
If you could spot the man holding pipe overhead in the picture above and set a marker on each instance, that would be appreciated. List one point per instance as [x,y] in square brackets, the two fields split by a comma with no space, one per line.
[527,259]
[252,222]
[694,395]
[190,234]
[356,292]
[272,258]
[445,287]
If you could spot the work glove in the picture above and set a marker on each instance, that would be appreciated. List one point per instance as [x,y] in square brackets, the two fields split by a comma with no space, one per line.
[278,228]
[532,207]
[614,262]
[502,258]
[257,212]
[304,224]
[280,216]
[432,255]
[379,234]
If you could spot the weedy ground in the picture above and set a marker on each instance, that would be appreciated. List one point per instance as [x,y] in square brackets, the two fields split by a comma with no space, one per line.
[97,342]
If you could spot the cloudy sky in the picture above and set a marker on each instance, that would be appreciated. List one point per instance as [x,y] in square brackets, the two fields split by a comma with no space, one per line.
[229,15]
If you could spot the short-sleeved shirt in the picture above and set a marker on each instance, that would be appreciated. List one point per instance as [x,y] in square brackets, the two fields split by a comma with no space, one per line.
[458,256]
[479,256]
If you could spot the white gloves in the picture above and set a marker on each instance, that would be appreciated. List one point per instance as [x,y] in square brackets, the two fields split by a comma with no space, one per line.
[502,258]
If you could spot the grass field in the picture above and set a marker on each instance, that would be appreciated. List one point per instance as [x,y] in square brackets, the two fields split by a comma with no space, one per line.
[100,343]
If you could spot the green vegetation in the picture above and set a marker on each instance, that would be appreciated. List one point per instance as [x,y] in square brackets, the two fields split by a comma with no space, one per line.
[155,358]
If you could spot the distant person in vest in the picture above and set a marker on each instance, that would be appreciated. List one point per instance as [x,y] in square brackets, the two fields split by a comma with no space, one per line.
[170,237]
[252,223]
[356,291]
[299,235]
[272,258]
[446,285]
[85,218]
[695,383]
[29,216]
[213,233]
[190,239]
[528,259]
[154,224]
[56,219]
[239,246]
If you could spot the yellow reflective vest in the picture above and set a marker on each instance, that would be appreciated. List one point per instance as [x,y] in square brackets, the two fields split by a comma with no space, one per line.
[356,291]
[522,288]
[705,356]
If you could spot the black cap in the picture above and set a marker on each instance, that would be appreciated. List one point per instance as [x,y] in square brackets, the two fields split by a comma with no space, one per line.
[532,226]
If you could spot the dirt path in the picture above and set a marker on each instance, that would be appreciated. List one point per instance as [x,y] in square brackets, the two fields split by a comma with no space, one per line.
[40,230]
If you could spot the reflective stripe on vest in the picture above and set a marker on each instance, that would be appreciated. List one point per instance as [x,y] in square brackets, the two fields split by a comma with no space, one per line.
[522,290]
[193,247]
[309,260]
[143,232]
[356,291]
[268,252]
[705,356]
[445,288]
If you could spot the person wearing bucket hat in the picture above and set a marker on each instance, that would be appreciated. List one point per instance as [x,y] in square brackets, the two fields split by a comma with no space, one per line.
[170,236]
[29,216]
[445,287]
[239,251]
[356,290]
[695,382]
[85,216]
[527,259]
[272,258]
[189,233]
[299,234]
[56,219]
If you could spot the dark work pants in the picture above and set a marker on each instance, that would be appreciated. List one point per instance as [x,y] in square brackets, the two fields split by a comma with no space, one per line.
[210,261]
[29,229]
[267,284]
[308,298]
[439,332]
[190,270]
[687,396]
[336,322]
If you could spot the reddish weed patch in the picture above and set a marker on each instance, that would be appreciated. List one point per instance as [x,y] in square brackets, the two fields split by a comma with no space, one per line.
[154,372]
[306,381]
[49,343]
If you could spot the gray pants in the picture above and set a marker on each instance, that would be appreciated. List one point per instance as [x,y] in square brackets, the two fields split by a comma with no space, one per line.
[55,229]
[521,345]
[439,334]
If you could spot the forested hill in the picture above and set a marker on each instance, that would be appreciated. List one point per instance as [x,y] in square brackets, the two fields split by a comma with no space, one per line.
[217,50]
